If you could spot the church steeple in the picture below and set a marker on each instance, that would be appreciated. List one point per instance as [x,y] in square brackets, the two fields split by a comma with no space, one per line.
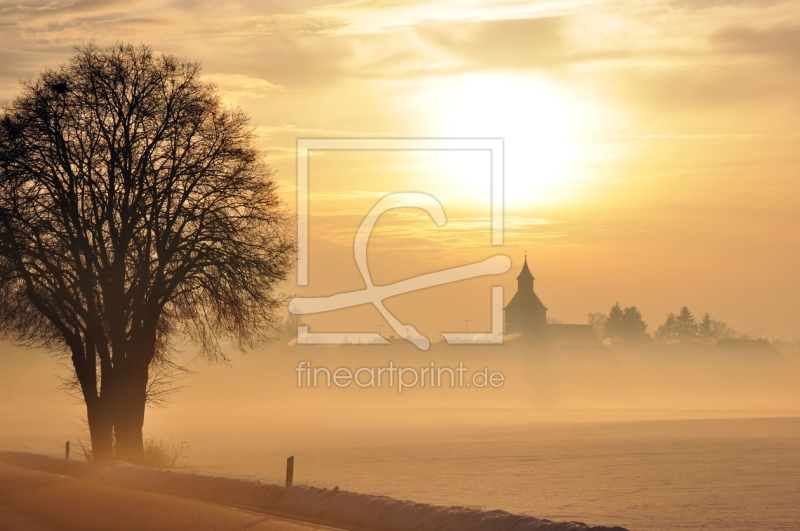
[525,312]
[525,278]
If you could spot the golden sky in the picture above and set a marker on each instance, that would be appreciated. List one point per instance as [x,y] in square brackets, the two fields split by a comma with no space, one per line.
[650,146]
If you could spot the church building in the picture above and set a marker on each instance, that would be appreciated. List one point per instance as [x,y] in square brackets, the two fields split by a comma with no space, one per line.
[525,313]
[526,316]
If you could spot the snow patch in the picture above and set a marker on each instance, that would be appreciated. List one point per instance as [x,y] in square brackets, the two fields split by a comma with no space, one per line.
[337,508]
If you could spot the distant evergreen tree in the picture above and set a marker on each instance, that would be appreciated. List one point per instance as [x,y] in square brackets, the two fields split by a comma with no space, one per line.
[687,327]
[683,328]
[625,325]
[705,329]
[668,332]
[615,325]
[710,331]
[634,327]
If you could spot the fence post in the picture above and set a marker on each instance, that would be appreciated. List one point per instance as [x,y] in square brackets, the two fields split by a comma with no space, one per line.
[66,451]
[289,471]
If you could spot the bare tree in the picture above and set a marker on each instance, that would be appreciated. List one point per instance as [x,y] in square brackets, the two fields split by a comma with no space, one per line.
[134,209]
[710,330]
[598,321]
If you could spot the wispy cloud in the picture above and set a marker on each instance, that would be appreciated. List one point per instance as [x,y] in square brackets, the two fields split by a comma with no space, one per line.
[236,87]
[780,41]
[375,17]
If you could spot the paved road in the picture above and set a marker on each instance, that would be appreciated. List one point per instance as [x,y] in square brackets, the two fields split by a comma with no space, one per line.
[36,501]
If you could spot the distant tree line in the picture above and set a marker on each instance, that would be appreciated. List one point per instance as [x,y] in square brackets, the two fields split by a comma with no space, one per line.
[626,325]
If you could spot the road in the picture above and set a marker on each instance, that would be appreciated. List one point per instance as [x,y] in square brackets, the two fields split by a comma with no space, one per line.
[37,501]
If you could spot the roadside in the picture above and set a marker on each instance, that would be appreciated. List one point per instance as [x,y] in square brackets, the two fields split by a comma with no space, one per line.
[37,501]
[320,506]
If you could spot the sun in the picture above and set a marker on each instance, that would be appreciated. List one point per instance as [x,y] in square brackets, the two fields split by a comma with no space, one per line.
[540,121]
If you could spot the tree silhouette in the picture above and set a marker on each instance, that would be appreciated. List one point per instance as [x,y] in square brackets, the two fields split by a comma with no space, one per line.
[134,210]
[598,321]
[683,328]
[710,331]
[668,332]
[633,324]
[705,329]
[615,326]
[626,325]
[687,327]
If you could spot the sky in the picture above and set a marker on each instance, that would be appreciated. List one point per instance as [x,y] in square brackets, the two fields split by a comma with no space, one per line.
[650,146]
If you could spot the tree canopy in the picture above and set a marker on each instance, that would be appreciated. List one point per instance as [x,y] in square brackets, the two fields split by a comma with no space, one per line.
[625,325]
[685,330]
[135,208]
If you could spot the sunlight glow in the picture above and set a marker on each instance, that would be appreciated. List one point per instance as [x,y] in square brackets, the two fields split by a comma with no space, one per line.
[539,121]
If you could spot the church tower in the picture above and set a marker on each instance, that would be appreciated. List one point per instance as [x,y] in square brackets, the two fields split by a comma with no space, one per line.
[525,313]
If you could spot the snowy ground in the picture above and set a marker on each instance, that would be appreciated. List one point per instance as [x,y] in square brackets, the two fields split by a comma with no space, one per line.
[322,506]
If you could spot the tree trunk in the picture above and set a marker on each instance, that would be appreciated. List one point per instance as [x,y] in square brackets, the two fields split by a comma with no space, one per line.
[101,426]
[130,398]
[99,415]
[128,432]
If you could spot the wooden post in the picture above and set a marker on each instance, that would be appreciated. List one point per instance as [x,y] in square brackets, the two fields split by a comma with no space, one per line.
[66,451]
[289,471]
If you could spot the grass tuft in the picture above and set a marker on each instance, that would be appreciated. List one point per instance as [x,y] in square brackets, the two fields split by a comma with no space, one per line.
[158,454]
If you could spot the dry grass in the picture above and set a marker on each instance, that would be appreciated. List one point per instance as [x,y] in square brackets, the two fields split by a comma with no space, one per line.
[158,454]
[85,440]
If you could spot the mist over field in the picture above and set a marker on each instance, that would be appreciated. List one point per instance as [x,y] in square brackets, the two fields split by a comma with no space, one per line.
[567,424]
[541,385]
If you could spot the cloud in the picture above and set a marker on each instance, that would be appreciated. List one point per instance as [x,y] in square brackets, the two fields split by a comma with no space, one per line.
[88,6]
[369,17]
[237,86]
[289,60]
[742,70]
[257,7]
[779,40]
[59,12]
[710,4]
[514,43]
[251,24]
